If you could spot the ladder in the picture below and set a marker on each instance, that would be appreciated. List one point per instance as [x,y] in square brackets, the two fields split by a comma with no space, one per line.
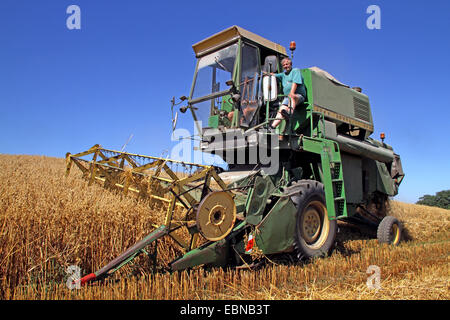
[333,180]
[331,173]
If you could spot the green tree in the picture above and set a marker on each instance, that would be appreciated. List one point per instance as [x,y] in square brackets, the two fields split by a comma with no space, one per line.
[441,200]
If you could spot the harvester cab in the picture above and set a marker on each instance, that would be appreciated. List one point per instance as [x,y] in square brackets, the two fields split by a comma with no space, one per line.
[284,190]
[227,90]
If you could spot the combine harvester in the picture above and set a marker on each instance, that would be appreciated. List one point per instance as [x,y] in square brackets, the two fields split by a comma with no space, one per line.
[284,190]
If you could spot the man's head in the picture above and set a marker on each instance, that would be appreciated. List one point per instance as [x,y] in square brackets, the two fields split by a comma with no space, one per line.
[286,63]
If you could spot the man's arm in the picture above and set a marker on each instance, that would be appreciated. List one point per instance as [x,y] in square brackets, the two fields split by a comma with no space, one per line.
[293,89]
[296,82]
[292,93]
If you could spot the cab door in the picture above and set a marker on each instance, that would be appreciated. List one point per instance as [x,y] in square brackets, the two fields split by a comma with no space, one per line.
[249,85]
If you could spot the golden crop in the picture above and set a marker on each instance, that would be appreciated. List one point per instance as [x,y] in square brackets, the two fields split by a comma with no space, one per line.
[48,222]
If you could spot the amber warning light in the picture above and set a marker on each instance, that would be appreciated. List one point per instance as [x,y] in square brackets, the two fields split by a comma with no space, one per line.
[382,136]
[292,46]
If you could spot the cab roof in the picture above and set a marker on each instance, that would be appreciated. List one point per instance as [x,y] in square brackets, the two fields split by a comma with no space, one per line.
[231,34]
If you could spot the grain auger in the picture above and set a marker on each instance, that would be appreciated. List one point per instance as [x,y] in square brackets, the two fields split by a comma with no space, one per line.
[205,206]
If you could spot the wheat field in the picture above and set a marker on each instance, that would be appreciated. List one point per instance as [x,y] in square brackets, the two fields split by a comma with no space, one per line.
[49,222]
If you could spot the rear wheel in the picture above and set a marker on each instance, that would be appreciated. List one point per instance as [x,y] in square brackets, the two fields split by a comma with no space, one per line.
[315,234]
[389,231]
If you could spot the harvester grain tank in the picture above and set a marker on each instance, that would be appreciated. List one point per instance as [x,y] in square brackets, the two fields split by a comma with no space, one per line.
[285,189]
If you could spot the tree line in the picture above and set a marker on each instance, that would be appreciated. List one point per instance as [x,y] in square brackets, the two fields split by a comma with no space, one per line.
[441,199]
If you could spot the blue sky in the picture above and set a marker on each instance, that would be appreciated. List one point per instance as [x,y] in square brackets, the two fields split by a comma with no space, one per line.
[65,90]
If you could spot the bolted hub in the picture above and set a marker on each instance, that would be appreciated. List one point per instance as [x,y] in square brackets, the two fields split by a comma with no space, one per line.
[314,224]
[311,225]
[216,215]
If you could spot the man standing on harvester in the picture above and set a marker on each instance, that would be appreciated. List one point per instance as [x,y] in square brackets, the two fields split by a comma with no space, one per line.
[293,88]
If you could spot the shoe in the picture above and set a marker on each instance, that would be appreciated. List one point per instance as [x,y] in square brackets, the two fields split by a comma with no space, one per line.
[286,115]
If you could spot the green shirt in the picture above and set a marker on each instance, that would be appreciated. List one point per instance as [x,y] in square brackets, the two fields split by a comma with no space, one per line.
[294,76]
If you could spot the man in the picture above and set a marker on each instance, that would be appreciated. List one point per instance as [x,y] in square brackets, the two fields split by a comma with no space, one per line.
[293,88]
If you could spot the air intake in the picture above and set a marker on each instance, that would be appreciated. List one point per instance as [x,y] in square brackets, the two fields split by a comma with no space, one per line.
[362,110]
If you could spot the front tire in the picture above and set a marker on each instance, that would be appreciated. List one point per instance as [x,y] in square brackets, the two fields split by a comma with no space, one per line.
[389,231]
[315,234]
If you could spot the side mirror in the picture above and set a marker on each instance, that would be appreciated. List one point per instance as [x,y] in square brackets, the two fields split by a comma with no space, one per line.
[183,109]
[174,121]
[175,117]
[231,84]
[270,89]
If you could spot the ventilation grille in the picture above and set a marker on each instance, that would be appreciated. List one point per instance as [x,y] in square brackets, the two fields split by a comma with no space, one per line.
[362,110]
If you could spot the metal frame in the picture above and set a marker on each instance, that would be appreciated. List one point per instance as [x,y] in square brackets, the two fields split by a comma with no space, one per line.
[151,178]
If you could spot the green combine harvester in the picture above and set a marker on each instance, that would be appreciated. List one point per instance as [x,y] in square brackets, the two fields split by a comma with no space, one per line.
[285,188]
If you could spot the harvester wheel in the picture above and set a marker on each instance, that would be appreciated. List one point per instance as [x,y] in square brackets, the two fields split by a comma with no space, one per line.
[389,231]
[315,234]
